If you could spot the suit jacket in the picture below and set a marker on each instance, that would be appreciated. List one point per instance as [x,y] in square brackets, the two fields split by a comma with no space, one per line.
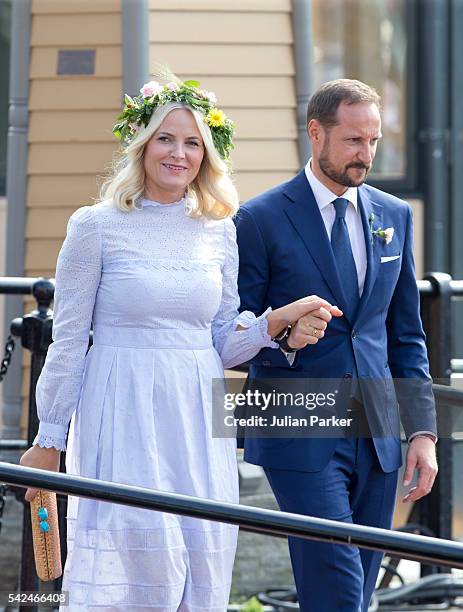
[285,254]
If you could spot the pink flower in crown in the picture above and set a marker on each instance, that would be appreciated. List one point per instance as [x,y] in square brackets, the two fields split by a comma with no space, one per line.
[173,86]
[134,127]
[150,89]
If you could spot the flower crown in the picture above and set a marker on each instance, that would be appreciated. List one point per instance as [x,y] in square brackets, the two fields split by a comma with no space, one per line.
[137,111]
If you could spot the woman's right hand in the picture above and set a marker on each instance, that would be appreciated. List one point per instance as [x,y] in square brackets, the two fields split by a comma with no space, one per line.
[42,459]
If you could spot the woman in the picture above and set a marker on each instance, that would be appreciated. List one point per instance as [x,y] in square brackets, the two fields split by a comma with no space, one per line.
[153,267]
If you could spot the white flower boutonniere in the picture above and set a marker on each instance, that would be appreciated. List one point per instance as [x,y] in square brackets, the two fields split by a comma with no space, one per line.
[386,234]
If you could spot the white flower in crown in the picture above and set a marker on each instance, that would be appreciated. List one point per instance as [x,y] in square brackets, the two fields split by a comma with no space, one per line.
[210,95]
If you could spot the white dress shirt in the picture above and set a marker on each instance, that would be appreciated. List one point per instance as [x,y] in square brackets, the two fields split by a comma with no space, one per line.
[324,198]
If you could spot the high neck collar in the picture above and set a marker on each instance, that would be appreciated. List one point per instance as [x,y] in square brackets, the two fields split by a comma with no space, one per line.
[145,202]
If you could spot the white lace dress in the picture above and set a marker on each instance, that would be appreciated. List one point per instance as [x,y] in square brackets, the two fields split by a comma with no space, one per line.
[160,289]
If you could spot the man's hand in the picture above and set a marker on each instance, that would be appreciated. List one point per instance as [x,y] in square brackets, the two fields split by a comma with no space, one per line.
[310,328]
[421,455]
[291,313]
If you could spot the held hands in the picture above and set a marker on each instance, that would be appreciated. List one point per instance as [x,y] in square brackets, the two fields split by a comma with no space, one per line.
[42,459]
[310,328]
[309,317]
[421,455]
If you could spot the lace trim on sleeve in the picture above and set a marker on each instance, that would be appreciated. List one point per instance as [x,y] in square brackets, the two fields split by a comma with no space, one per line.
[49,442]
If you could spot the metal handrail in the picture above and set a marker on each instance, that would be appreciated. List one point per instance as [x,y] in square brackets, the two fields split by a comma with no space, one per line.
[448,394]
[426,287]
[8,444]
[258,520]
[17,285]
[24,285]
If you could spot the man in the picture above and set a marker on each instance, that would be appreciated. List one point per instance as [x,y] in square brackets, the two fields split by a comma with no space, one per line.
[323,232]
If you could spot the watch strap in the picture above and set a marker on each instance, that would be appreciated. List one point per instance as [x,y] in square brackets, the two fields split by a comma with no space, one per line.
[282,339]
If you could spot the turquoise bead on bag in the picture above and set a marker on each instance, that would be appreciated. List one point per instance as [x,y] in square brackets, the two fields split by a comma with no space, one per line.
[42,513]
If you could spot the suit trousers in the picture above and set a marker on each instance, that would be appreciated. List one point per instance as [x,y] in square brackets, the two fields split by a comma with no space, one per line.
[351,488]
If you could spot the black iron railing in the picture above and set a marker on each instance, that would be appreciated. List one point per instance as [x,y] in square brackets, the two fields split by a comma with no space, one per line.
[270,522]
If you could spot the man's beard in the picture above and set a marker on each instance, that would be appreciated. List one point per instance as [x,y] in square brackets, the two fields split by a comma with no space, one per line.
[342,178]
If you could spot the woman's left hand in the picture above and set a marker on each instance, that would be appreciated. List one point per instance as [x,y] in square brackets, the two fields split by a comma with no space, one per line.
[42,459]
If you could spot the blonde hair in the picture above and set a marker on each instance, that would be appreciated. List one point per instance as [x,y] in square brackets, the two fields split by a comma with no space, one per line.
[212,193]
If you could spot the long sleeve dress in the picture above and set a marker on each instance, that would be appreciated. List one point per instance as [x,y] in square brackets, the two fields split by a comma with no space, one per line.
[160,289]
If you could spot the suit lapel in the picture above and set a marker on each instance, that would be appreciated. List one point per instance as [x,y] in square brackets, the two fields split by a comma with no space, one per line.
[304,215]
[368,210]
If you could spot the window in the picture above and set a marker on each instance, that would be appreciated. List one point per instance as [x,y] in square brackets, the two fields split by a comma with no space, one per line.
[367,40]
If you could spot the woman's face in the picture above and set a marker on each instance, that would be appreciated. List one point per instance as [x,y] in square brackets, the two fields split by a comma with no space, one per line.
[173,156]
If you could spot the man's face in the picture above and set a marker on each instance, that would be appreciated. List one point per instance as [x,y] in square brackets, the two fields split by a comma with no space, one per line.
[345,152]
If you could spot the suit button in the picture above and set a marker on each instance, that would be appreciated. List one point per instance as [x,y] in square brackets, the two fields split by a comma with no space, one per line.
[266,363]
[354,335]
[348,375]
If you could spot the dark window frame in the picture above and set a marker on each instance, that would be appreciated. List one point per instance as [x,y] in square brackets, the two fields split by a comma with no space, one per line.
[406,185]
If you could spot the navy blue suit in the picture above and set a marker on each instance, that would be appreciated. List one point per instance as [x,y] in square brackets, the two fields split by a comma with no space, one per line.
[285,254]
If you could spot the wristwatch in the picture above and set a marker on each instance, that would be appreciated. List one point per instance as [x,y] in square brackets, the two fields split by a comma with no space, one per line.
[282,340]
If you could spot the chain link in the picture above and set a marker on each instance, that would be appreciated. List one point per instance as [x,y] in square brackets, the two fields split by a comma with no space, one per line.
[9,348]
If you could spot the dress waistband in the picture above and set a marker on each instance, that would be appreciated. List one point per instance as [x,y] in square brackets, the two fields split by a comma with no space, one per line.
[136,337]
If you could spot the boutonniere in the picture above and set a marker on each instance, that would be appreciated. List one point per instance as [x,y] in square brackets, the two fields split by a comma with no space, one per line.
[385,234]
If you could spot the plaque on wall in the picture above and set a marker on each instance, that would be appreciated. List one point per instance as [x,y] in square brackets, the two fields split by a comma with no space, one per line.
[76,61]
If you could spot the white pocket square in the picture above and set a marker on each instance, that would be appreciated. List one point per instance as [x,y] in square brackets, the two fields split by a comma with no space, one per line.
[389,258]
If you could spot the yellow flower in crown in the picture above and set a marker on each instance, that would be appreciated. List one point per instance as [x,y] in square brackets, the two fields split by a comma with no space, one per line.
[215,117]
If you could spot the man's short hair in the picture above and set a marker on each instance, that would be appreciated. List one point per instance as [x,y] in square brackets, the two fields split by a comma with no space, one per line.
[324,103]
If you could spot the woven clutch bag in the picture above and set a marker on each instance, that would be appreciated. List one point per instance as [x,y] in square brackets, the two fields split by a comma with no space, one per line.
[45,535]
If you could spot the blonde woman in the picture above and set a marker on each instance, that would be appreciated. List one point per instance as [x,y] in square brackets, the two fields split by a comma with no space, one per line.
[153,266]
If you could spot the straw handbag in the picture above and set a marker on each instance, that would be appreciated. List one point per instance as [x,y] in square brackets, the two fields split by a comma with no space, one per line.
[45,535]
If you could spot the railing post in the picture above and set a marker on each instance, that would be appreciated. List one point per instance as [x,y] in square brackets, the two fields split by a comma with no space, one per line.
[435,510]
